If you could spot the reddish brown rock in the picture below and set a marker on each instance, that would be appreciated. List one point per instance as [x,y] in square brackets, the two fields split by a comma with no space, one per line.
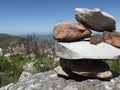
[112,38]
[95,39]
[70,31]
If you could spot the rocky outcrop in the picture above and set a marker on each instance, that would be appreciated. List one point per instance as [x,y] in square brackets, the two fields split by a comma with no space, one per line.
[70,31]
[50,81]
[95,19]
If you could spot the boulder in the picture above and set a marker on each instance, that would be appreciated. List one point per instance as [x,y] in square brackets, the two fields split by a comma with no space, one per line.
[50,81]
[70,31]
[86,50]
[112,38]
[90,68]
[95,19]
[96,39]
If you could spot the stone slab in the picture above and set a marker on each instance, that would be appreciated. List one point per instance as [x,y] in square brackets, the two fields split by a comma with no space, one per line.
[90,68]
[85,50]
[101,75]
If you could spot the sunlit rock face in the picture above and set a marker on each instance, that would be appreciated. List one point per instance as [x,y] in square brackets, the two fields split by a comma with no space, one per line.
[112,38]
[95,19]
[70,31]
[86,50]
[50,81]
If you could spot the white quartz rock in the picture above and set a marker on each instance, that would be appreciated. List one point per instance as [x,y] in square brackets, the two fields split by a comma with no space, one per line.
[85,50]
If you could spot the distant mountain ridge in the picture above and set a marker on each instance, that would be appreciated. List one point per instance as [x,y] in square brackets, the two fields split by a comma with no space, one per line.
[6,39]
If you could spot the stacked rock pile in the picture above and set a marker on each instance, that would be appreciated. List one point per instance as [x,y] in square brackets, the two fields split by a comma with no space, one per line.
[81,52]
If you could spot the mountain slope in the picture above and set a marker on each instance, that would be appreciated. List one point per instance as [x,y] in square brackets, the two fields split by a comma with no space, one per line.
[6,39]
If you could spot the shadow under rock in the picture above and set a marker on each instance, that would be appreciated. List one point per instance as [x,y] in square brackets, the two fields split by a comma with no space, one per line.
[82,78]
[115,74]
[69,41]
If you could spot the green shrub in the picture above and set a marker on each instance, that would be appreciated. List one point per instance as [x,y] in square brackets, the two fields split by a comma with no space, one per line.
[114,65]
[45,62]
[11,68]
[4,64]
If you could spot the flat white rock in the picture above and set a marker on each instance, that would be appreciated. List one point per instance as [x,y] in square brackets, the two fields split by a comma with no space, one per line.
[85,50]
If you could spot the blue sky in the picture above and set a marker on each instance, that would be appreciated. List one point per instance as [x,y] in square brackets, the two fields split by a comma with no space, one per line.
[40,16]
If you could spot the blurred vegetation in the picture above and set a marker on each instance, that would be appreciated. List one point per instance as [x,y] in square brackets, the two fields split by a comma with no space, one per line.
[22,50]
[11,68]
[45,62]
[114,65]
[6,39]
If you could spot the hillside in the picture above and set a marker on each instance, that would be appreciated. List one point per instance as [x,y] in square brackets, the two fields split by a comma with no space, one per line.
[6,39]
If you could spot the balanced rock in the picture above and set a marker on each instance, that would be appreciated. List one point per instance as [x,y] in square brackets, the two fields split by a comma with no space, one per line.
[86,50]
[70,31]
[91,68]
[96,39]
[112,38]
[67,73]
[95,19]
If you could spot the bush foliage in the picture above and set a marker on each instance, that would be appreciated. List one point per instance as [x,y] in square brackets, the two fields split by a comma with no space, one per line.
[12,67]
[21,51]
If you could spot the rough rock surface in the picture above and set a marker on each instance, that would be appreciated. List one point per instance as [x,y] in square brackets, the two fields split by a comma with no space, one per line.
[29,67]
[91,68]
[95,19]
[70,31]
[59,70]
[24,74]
[85,50]
[67,73]
[112,38]
[96,39]
[50,81]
